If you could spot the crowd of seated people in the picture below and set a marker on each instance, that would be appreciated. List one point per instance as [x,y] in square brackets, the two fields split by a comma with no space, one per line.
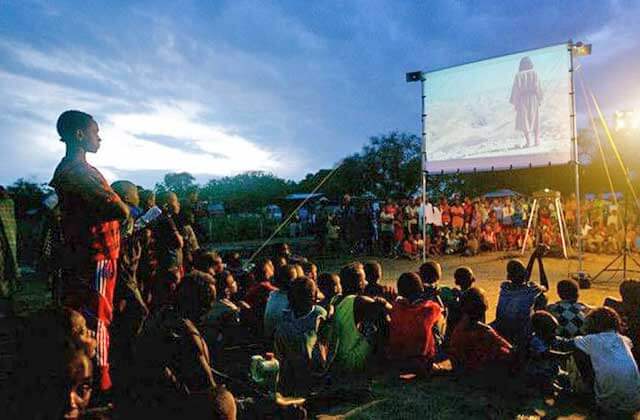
[146,317]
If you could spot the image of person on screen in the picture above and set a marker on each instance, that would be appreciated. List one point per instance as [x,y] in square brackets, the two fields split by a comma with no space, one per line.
[526,96]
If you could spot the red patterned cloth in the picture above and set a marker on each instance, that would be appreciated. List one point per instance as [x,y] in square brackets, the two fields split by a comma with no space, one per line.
[92,247]
[83,194]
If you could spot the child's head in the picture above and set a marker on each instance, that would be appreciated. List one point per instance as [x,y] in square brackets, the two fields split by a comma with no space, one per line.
[205,261]
[568,290]
[285,276]
[474,304]
[196,295]
[310,270]
[352,278]
[302,295]
[516,272]
[602,320]
[79,375]
[226,286]
[169,201]
[464,277]
[76,325]
[329,285]
[373,272]
[630,292]
[430,272]
[78,130]
[263,270]
[127,191]
[234,260]
[544,325]
[410,286]
[147,199]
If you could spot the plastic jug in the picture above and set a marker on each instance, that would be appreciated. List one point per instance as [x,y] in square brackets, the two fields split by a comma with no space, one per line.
[265,372]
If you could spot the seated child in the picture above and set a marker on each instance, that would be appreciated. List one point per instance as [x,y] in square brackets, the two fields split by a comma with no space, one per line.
[629,311]
[451,298]
[296,338]
[616,377]
[411,341]
[517,301]
[472,246]
[329,286]
[258,293]
[543,366]
[373,274]
[278,299]
[430,274]
[409,248]
[221,324]
[569,313]
[359,322]
[475,345]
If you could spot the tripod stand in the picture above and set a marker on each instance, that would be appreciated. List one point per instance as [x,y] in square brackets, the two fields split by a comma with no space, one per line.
[624,254]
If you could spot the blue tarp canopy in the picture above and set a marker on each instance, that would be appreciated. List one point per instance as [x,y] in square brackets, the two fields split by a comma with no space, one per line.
[502,193]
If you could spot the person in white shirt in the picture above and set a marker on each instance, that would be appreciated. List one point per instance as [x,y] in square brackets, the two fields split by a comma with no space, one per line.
[616,377]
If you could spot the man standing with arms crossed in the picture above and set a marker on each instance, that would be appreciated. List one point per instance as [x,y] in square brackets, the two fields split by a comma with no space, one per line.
[91,214]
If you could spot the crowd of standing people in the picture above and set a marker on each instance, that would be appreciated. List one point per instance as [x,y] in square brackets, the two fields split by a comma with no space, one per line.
[469,226]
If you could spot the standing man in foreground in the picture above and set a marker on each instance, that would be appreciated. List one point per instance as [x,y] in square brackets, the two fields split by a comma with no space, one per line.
[91,214]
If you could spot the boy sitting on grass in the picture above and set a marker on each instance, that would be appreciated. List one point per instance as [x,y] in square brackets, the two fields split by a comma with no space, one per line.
[373,274]
[430,274]
[411,340]
[518,299]
[569,313]
[474,345]
[296,338]
[616,377]
[543,367]
[451,297]
[629,311]
[360,323]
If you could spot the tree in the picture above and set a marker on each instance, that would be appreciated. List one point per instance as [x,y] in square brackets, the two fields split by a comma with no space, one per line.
[181,183]
[26,195]
[248,191]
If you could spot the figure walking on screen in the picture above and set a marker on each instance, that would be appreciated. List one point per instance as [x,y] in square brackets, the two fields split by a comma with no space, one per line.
[526,95]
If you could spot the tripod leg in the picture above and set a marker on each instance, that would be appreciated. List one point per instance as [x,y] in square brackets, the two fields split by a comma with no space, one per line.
[606,268]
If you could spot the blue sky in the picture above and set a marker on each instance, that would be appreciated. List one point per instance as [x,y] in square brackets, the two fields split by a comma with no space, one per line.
[216,88]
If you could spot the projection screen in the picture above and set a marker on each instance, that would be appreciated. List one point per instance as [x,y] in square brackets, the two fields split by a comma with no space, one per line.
[510,111]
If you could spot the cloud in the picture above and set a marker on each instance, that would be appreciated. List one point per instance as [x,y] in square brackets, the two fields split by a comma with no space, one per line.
[34,105]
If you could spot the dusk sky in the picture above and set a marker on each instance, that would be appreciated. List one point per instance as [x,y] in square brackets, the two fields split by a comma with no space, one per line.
[217,88]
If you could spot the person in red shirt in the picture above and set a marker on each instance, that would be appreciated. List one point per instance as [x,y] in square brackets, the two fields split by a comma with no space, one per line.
[445,212]
[91,214]
[475,345]
[457,216]
[411,341]
[258,294]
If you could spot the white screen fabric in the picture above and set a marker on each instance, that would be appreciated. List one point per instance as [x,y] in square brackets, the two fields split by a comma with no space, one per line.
[510,111]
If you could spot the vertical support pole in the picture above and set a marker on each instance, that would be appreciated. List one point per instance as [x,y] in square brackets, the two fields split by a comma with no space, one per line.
[576,162]
[558,206]
[534,208]
[424,166]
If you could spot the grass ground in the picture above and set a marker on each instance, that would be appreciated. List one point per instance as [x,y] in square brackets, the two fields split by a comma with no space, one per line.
[439,397]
